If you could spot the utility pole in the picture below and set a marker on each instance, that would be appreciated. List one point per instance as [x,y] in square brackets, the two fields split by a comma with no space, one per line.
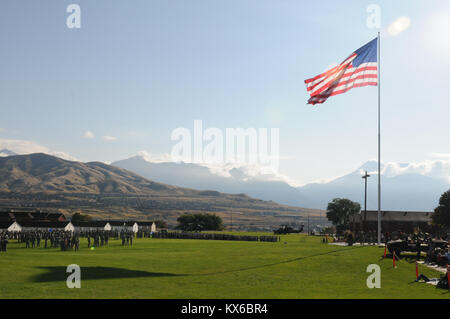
[365,199]
[308,225]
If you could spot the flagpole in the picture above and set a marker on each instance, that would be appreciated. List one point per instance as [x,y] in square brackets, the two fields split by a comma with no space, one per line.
[379,143]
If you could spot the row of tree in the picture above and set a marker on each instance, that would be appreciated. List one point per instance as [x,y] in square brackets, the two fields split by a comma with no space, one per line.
[199,222]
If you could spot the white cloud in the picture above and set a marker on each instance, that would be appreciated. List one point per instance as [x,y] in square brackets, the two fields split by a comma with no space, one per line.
[109,138]
[242,171]
[398,26]
[439,169]
[28,147]
[155,158]
[88,134]
[22,146]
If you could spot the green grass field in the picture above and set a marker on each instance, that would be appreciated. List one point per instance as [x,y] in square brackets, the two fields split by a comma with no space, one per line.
[297,267]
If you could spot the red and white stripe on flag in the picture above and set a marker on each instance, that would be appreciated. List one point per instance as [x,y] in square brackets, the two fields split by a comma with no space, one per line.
[358,70]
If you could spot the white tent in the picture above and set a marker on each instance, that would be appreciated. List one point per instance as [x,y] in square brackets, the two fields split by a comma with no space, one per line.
[69,227]
[15,227]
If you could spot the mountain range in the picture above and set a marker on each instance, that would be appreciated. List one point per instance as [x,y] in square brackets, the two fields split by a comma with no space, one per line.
[404,186]
[106,191]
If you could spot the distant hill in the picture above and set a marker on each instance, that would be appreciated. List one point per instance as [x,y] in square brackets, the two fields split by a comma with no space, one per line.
[106,191]
[44,173]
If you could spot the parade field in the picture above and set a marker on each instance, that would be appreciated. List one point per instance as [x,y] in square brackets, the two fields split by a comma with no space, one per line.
[298,267]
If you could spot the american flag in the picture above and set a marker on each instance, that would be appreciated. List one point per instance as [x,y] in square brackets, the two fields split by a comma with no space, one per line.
[359,69]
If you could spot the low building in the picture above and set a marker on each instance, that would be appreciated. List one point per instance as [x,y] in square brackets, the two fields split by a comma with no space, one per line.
[149,226]
[125,225]
[29,215]
[83,226]
[46,226]
[405,221]
[117,225]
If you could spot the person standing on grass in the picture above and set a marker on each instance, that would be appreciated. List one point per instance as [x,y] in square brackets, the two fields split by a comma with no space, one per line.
[5,243]
[418,248]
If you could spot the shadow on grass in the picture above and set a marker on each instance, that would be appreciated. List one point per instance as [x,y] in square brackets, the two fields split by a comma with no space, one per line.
[58,273]
[280,262]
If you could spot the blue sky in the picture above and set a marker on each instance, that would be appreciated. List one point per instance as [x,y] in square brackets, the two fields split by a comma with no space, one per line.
[136,70]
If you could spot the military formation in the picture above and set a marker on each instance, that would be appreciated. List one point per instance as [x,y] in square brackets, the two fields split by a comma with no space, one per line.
[127,238]
[64,240]
[48,239]
[213,236]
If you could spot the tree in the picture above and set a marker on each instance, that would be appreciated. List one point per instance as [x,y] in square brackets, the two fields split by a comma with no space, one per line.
[441,215]
[199,222]
[160,224]
[339,211]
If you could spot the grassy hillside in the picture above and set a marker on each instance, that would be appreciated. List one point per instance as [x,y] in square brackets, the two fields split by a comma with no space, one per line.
[44,173]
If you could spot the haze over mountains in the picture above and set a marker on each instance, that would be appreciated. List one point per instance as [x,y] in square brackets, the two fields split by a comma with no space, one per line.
[403,187]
